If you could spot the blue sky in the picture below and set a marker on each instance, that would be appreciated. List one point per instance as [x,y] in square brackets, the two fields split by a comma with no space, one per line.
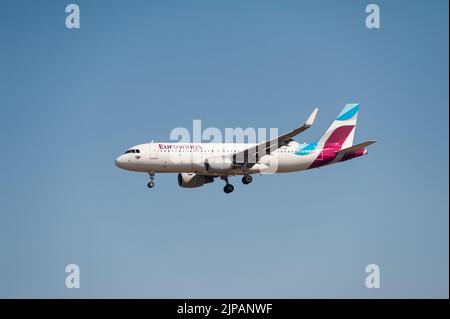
[72,100]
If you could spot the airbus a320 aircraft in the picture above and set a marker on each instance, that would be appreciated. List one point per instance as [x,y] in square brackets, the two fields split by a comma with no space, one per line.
[199,163]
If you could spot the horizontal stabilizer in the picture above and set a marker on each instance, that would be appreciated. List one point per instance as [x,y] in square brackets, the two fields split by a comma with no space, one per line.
[356,147]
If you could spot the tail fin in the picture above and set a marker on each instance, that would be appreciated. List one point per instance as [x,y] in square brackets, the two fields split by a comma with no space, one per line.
[341,132]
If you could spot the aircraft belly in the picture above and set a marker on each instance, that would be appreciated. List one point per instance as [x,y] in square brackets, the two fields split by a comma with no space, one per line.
[175,163]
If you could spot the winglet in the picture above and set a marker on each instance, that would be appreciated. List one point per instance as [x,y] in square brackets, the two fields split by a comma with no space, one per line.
[309,122]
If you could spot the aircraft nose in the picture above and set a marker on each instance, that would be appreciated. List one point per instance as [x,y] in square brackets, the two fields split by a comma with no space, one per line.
[120,161]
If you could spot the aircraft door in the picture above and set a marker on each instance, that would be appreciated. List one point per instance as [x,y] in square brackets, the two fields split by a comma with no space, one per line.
[153,150]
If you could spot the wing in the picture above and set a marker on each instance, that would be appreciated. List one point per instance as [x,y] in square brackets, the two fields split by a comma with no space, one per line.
[252,155]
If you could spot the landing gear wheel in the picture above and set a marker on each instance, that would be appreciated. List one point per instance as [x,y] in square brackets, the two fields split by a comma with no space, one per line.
[151,184]
[228,188]
[247,179]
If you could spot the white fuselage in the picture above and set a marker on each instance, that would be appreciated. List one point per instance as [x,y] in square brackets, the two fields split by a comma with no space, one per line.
[200,163]
[191,157]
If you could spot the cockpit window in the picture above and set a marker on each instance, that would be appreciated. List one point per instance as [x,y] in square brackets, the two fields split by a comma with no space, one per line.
[132,151]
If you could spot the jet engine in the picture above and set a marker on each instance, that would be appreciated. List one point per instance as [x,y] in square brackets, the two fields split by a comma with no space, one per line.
[191,180]
[218,165]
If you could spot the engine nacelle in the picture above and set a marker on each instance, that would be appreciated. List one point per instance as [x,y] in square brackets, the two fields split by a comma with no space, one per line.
[191,180]
[218,165]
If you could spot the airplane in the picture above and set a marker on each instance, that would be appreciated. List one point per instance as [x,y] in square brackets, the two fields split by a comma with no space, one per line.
[198,164]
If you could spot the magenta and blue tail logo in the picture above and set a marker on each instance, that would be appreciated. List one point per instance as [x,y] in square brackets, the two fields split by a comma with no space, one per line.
[349,111]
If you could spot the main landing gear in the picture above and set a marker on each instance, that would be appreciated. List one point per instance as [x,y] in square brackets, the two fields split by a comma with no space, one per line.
[151,184]
[247,179]
[228,187]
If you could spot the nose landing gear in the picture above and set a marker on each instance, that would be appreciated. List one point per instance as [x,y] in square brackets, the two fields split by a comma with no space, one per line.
[151,184]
